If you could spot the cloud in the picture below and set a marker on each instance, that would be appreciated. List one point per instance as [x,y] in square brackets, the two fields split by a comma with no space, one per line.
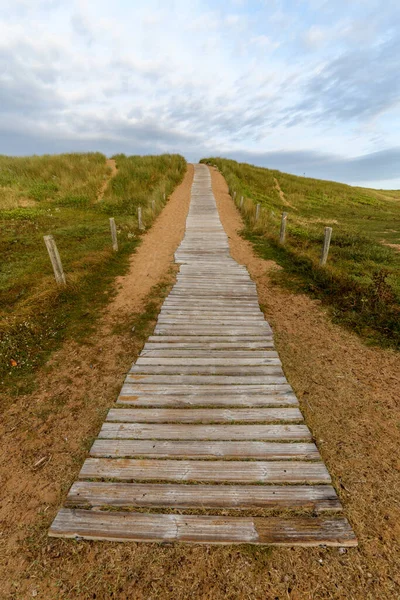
[358,85]
[255,79]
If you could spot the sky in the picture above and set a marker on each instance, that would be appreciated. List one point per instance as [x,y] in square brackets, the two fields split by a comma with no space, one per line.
[305,86]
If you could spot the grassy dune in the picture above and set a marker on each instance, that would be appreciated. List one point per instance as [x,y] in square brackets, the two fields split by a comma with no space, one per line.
[60,195]
[362,279]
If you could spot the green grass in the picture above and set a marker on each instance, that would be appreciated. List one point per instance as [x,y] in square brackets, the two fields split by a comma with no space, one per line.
[361,281]
[158,174]
[58,195]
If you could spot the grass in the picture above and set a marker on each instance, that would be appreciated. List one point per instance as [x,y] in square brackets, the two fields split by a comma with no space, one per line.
[361,280]
[59,195]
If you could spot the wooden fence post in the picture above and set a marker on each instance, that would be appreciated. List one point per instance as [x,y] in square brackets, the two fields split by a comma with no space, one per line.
[153,207]
[55,259]
[258,207]
[139,214]
[113,234]
[325,248]
[282,234]
[234,196]
[241,202]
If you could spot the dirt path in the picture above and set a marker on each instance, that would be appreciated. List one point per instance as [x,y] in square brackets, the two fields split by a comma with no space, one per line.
[350,397]
[395,246]
[110,162]
[282,195]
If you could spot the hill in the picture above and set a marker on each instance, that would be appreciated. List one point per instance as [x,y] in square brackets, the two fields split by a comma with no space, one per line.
[70,196]
[361,280]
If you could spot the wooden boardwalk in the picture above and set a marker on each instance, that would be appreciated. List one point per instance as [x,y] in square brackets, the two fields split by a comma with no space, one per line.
[206,422]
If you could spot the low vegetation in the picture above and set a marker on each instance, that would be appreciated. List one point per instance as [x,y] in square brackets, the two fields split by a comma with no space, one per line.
[361,280]
[70,196]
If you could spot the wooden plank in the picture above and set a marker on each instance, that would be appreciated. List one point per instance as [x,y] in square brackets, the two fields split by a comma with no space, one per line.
[194,342]
[193,303]
[214,321]
[209,330]
[143,431]
[209,361]
[206,415]
[225,400]
[212,355]
[226,356]
[204,315]
[200,295]
[233,307]
[184,389]
[221,283]
[204,450]
[169,380]
[246,371]
[318,498]
[211,341]
[235,471]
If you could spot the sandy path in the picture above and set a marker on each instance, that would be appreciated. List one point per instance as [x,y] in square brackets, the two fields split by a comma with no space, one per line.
[156,252]
[110,162]
[282,195]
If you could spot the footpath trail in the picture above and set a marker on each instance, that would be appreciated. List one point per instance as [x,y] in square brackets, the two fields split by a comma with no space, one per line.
[206,430]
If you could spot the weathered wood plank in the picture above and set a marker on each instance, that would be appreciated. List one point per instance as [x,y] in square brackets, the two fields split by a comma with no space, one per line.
[98,493]
[204,449]
[214,321]
[128,526]
[177,369]
[170,380]
[235,471]
[179,389]
[213,355]
[213,343]
[191,357]
[214,400]
[218,330]
[206,415]
[143,431]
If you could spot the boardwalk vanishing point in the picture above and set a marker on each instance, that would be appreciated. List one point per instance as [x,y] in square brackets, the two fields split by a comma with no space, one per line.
[206,422]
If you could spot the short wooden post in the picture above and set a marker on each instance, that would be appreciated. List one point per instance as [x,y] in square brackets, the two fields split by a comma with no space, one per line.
[234,196]
[164,196]
[55,259]
[139,214]
[113,234]
[241,202]
[153,206]
[325,249]
[282,234]
[258,207]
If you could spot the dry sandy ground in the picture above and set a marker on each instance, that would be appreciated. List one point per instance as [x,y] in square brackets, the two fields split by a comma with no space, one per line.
[110,162]
[349,394]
